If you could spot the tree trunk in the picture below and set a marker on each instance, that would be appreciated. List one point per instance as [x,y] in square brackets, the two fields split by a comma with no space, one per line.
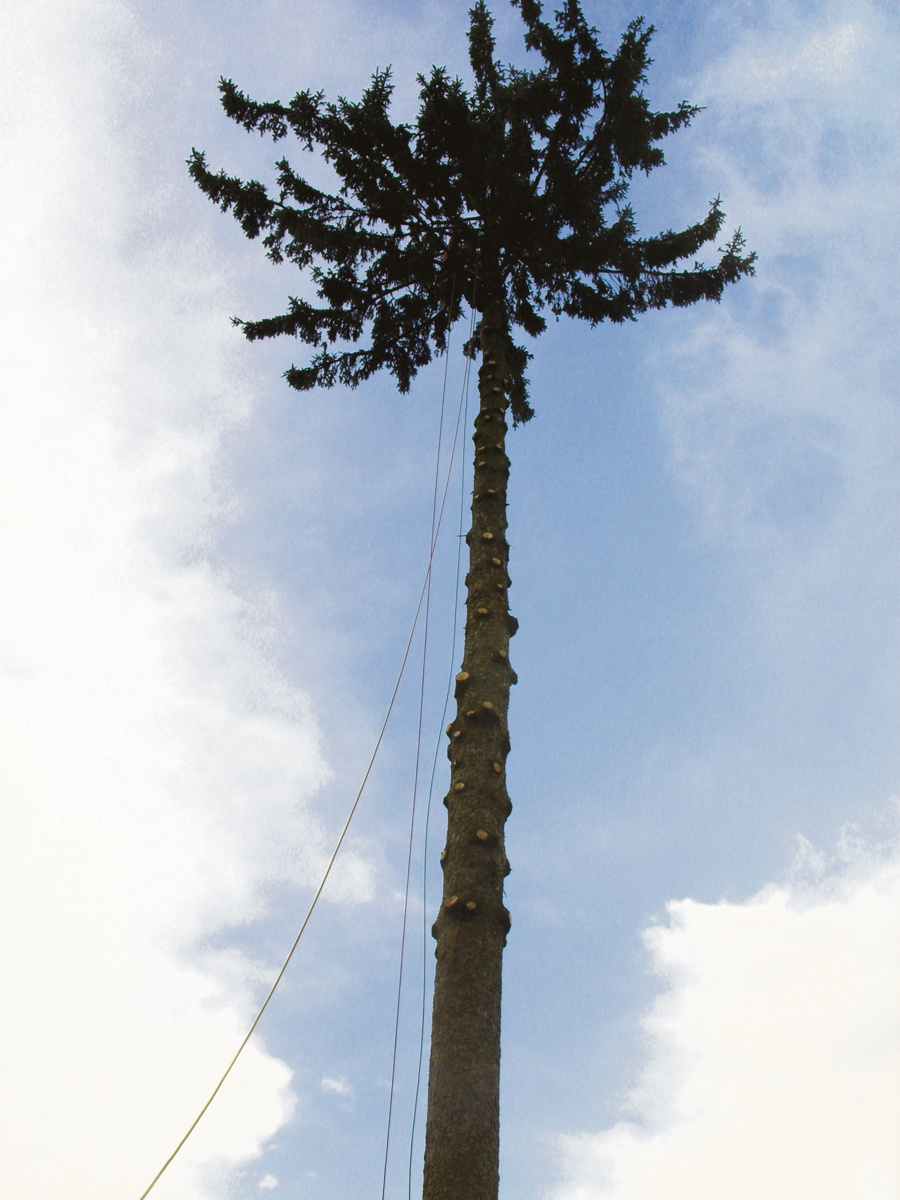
[462,1136]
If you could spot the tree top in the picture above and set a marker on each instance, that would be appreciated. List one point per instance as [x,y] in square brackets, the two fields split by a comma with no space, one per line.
[513,194]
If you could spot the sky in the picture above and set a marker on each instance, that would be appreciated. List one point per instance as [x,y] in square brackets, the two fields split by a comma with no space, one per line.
[209,583]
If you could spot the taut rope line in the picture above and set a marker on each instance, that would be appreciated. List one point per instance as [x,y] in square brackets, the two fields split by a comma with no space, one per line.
[331,861]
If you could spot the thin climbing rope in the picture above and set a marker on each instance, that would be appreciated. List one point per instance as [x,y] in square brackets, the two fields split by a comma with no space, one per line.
[463,411]
[422,678]
[339,843]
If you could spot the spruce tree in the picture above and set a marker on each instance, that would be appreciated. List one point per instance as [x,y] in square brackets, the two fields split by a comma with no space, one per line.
[509,199]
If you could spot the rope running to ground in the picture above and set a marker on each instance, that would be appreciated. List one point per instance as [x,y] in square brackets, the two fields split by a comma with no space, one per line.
[464,406]
[331,861]
[412,821]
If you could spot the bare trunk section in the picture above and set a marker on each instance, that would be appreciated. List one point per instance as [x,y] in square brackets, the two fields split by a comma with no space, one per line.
[462,1137]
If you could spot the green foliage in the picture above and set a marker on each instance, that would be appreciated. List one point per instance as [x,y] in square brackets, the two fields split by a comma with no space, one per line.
[513,194]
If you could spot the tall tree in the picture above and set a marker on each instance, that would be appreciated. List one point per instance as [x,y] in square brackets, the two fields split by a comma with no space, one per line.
[510,199]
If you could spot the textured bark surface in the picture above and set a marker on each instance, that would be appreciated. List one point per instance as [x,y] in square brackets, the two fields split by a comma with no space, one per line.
[463,1127]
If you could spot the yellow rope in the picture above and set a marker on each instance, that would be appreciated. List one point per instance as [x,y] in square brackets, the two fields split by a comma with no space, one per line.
[331,861]
[435,526]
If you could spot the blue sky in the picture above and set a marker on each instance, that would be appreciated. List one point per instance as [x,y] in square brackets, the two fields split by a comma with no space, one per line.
[209,582]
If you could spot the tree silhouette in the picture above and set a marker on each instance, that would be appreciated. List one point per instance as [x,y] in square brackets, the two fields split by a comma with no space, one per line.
[509,199]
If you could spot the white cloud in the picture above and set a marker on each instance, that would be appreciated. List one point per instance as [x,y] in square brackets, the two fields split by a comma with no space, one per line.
[337,1087]
[268,1183]
[794,56]
[774,1051]
[780,408]
[156,767]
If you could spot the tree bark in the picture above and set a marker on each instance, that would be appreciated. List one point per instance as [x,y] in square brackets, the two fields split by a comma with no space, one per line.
[462,1136]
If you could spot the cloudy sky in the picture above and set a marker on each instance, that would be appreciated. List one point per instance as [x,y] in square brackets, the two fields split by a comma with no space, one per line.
[208,582]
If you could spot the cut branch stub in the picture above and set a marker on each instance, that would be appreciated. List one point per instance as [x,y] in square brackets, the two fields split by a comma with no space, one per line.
[466,1025]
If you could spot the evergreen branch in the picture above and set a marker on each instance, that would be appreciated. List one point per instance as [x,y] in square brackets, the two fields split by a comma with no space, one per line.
[529,173]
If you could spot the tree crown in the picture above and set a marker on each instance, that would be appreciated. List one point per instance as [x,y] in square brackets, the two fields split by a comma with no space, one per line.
[514,193]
